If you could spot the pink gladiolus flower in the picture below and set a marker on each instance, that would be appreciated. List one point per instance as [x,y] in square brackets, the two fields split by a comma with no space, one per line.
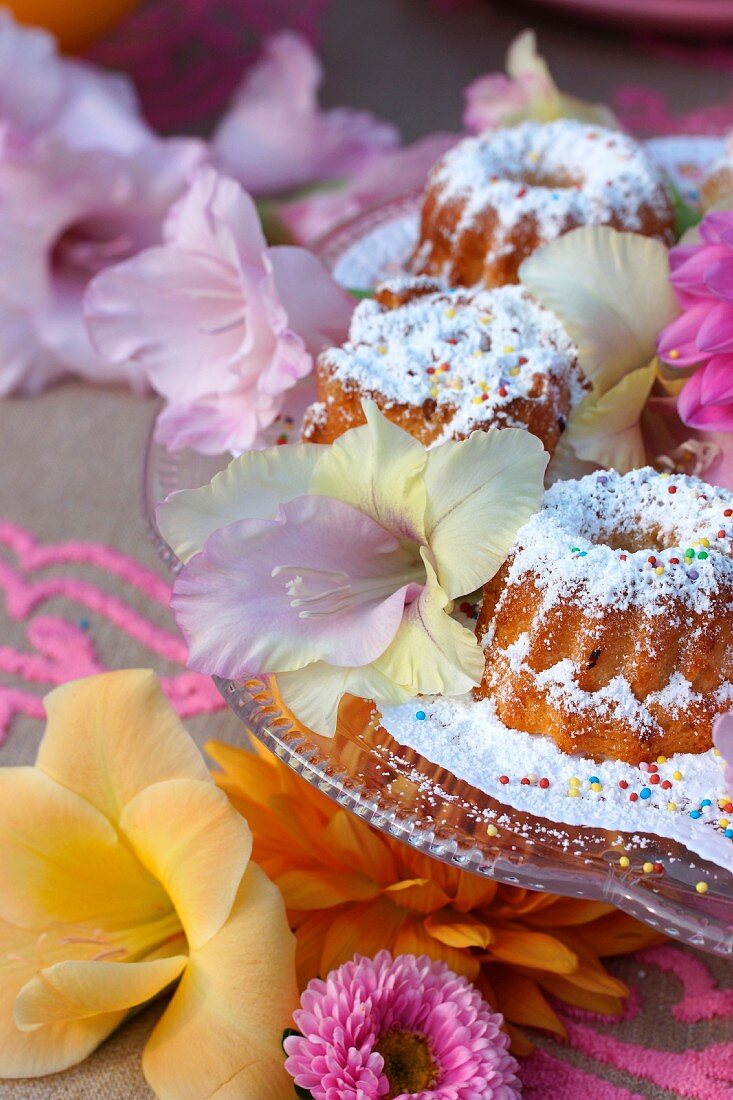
[83,182]
[702,336]
[274,138]
[723,741]
[394,174]
[219,324]
[404,1027]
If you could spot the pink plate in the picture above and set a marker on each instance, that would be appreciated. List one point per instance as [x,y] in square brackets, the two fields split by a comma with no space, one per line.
[679,16]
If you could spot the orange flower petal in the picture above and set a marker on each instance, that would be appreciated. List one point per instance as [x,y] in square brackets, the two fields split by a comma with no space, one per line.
[419,894]
[363,929]
[449,928]
[522,1002]
[565,990]
[534,950]
[359,845]
[414,939]
[323,890]
[568,911]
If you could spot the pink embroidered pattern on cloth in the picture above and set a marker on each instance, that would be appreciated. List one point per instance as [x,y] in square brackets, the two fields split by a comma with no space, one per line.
[61,649]
[705,1074]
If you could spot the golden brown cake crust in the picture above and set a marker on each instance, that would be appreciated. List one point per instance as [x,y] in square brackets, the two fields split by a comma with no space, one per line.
[493,200]
[475,380]
[642,675]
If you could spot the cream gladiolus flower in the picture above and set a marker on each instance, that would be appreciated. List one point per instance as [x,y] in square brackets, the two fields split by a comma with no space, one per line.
[123,870]
[528,91]
[336,567]
[612,292]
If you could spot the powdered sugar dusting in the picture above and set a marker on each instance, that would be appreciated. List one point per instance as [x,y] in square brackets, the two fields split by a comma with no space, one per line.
[586,537]
[561,173]
[473,352]
[684,798]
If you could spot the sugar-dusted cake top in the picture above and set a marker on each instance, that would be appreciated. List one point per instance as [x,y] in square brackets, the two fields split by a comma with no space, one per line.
[642,538]
[563,173]
[473,352]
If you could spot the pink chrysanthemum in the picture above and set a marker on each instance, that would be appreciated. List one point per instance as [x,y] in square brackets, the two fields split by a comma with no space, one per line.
[399,1029]
[702,336]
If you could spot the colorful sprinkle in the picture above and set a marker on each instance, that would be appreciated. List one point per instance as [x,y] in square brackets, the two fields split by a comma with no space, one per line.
[504,779]
[624,861]
[420,715]
[492,830]
[647,868]
[544,783]
[645,793]
[701,887]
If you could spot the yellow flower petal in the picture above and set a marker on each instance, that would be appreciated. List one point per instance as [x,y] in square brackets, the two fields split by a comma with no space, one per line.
[605,428]
[109,736]
[196,845]
[377,468]
[534,950]
[63,861]
[312,694]
[565,989]
[612,292]
[568,912]
[480,492]
[432,653]
[78,989]
[458,931]
[252,487]
[221,1034]
[51,1048]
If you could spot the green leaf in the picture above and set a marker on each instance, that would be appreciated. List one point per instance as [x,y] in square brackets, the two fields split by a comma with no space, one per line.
[360,294]
[287,1033]
[685,216]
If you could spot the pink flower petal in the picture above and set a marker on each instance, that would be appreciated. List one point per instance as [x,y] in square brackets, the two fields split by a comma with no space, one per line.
[723,741]
[275,138]
[717,228]
[321,582]
[217,423]
[716,330]
[690,265]
[677,343]
[317,308]
[387,177]
[716,380]
[719,274]
[695,412]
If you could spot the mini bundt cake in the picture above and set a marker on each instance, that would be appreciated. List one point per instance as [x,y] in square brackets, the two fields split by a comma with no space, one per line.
[717,188]
[494,199]
[441,363]
[610,627]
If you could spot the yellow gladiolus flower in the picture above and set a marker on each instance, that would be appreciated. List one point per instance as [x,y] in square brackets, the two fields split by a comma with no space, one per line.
[612,292]
[123,870]
[349,888]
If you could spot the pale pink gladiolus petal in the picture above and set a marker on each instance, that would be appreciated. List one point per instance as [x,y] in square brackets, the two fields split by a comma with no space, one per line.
[392,175]
[217,322]
[492,98]
[217,422]
[274,138]
[323,578]
[677,343]
[723,741]
[715,333]
[317,308]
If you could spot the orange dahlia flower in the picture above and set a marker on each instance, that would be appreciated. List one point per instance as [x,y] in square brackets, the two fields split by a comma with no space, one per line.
[349,888]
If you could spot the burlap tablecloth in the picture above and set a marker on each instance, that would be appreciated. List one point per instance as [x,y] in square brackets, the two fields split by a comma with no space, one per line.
[70,459]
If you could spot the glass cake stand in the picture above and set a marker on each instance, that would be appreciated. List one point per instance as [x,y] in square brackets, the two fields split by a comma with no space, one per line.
[402,793]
